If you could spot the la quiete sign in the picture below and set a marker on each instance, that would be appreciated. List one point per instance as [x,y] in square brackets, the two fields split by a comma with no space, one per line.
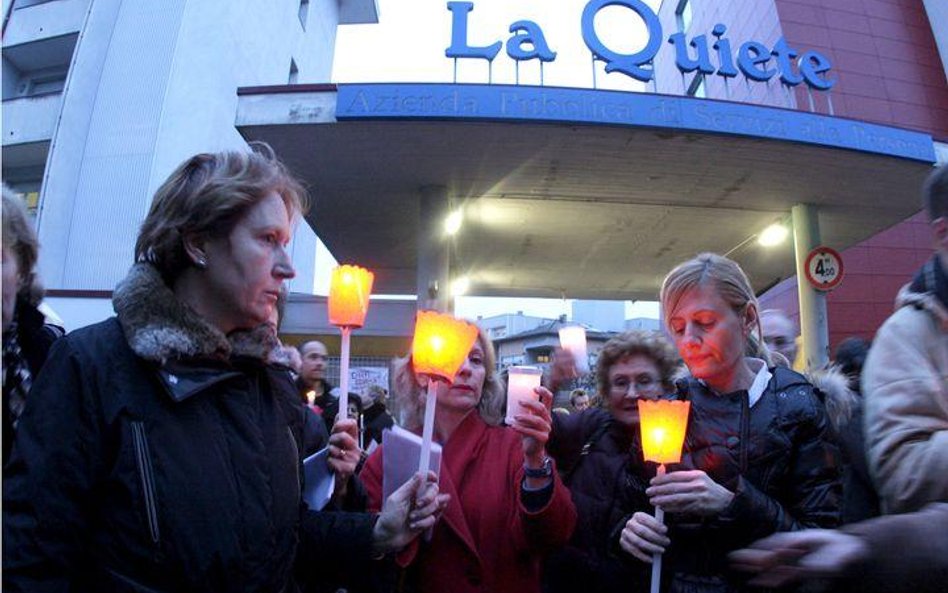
[753,59]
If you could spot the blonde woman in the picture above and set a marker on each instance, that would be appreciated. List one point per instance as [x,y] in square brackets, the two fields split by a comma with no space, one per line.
[508,505]
[756,459]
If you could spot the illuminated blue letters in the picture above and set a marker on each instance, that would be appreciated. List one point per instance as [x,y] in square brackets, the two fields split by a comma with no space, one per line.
[529,33]
[459,47]
[629,64]
[753,58]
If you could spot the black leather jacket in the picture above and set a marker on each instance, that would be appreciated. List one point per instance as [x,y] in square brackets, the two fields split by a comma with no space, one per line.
[774,456]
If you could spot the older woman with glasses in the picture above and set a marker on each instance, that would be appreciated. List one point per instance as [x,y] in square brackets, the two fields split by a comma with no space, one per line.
[599,453]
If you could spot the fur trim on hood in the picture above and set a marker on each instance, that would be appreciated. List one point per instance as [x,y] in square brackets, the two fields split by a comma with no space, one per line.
[925,301]
[159,327]
[838,399]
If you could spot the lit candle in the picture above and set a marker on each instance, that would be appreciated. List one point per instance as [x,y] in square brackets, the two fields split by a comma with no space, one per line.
[440,344]
[521,382]
[663,424]
[573,338]
[349,290]
[439,347]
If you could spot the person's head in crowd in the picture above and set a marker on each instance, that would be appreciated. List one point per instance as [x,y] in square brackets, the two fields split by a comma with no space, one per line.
[850,357]
[20,252]
[780,333]
[579,400]
[313,367]
[477,386]
[935,198]
[217,232]
[631,365]
[710,311]
[373,394]
[354,406]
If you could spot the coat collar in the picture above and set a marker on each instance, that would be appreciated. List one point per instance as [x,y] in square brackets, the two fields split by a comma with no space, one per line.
[159,327]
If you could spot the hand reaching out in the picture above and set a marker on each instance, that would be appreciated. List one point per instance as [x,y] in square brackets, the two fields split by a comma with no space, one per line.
[410,510]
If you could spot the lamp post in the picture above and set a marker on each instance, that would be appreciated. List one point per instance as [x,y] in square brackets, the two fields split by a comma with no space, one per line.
[663,424]
[439,347]
[349,291]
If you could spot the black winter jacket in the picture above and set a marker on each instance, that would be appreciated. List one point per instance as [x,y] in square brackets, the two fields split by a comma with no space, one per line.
[601,463]
[35,337]
[156,456]
[774,457]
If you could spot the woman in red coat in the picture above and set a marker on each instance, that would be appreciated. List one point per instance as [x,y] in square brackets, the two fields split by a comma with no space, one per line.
[508,506]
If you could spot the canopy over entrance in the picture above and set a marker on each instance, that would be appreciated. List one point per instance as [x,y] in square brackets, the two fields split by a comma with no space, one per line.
[577,193]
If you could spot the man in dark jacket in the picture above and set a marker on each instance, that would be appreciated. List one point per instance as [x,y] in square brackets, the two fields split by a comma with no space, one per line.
[313,387]
[375,417]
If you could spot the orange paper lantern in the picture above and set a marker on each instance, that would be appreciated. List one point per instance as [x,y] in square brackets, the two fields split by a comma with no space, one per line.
[441,344]
[349,292]
[663,425]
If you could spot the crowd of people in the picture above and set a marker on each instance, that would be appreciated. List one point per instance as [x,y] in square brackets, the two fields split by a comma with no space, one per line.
[162,449]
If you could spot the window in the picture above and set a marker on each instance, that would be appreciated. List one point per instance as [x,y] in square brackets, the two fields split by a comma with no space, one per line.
[696,88]
[683,15]
[294,72]
[304,10]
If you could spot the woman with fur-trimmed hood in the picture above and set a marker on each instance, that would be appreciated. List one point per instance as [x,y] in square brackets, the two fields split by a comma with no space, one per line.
[159,451]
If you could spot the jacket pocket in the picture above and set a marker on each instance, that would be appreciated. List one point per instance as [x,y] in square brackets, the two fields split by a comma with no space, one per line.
[147,479]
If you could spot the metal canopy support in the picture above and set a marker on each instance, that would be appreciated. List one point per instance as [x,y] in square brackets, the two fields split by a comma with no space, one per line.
[813,320]
[433,250]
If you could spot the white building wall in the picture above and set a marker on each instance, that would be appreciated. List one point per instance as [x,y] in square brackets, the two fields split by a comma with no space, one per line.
[152,83]
[601,315]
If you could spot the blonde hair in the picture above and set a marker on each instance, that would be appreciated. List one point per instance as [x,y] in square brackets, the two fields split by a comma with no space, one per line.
[650,344]
[727,279]
[19,238]
[207,195]
[409,396]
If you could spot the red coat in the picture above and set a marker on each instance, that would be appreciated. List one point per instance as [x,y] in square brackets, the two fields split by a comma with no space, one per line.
[486,541]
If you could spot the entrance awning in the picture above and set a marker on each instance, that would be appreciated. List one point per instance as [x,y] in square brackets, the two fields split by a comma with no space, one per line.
[585,200]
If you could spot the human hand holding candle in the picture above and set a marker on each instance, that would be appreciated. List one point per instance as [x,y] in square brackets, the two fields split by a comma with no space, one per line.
[344,453]
[534,422]
[349,291]
[663,424]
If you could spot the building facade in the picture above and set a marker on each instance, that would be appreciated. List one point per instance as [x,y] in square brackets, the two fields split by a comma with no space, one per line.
[888,60]
[102,99]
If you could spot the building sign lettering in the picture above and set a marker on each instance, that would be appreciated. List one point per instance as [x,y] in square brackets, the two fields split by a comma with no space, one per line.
[753,59]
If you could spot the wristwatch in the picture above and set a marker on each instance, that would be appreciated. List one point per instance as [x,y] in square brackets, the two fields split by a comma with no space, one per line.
[541,472]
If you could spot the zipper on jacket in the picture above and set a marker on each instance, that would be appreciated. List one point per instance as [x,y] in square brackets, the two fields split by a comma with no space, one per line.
[146,475]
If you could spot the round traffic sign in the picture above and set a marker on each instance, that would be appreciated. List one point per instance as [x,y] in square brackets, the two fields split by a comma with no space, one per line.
[824,268]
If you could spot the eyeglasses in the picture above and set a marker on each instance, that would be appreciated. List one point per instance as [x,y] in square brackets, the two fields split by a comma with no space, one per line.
[640,384]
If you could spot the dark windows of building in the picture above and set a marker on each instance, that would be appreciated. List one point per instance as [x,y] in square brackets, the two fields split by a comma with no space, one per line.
[294,72]
[37,67]
[683,15]
[303,12]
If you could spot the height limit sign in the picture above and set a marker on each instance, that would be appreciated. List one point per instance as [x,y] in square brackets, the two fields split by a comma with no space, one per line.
[824,268]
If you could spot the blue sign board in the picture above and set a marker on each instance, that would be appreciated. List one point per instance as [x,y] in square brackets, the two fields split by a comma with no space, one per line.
[551,104]
[753,59]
